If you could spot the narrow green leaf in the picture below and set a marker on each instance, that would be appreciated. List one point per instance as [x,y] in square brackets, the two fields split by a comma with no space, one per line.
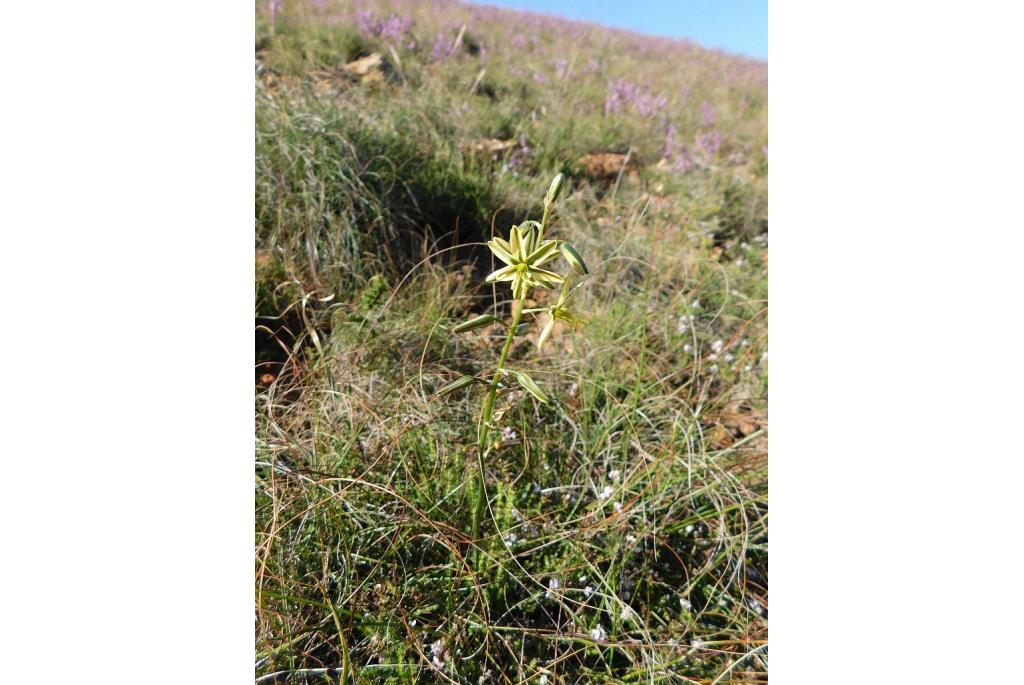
[455,385]
[474,323]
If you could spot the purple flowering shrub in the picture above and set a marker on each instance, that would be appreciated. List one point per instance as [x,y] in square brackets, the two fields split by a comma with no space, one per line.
[393,28]
[623,94]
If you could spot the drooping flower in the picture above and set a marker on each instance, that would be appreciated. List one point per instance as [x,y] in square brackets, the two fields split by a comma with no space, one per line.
[556,312]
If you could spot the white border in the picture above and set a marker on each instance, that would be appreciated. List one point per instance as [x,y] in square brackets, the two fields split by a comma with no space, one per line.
[895,294]
[127,275]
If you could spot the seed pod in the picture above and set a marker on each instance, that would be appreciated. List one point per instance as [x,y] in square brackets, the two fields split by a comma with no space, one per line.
[474,323]
[574,259]
[554,189]
[455,385]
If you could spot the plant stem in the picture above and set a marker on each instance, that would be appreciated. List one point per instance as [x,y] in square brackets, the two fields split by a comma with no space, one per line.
[487,412]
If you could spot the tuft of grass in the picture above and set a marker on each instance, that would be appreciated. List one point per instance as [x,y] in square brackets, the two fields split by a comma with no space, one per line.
[627,526]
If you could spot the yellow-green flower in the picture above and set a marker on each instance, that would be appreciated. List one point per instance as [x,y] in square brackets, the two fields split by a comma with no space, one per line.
[523,256]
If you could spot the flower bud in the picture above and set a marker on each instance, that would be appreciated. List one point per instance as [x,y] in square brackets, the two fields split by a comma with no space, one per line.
[574,259]
[554,189]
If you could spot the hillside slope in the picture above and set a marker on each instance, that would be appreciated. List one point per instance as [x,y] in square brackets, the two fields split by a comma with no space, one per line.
[626,529]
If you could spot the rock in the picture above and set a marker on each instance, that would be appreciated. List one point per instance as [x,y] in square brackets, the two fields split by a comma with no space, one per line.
[491,147]
[370,69]
[607,166]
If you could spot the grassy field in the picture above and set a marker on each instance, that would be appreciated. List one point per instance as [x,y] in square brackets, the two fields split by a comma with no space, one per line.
[626,528]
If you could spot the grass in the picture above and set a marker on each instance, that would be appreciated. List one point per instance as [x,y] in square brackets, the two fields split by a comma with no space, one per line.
[625,538]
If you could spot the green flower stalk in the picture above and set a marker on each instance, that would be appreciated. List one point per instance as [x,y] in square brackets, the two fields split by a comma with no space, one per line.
[524,256]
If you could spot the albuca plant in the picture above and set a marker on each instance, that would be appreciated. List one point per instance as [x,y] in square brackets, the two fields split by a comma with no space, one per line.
[524,255]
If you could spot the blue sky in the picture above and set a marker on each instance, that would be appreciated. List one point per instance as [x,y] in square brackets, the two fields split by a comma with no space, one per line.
[739,26]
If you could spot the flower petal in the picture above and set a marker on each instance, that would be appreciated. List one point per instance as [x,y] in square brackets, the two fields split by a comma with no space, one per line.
[546,331]
[520,286]
[503,243]
[500,251]
[548,279]
[515,243]
[505,273]
[547,251]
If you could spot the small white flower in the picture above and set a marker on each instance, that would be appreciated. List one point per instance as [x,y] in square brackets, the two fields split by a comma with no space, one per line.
[543,680]
[508,434]
[687,348]
[717,345]
[722,602]
[412,623]
[614,475]
[438,653]
[748,368]
[685,604]
[728,357]
[714,368]
[553,584]
[673,643]
[606,492]
[681,328]
[696,304]
[631,539]
[583,579]
[587,591]
[598,633]
[510,539]
[689,529]
[713,356]
[696,643]
[617,506]
[627,613]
